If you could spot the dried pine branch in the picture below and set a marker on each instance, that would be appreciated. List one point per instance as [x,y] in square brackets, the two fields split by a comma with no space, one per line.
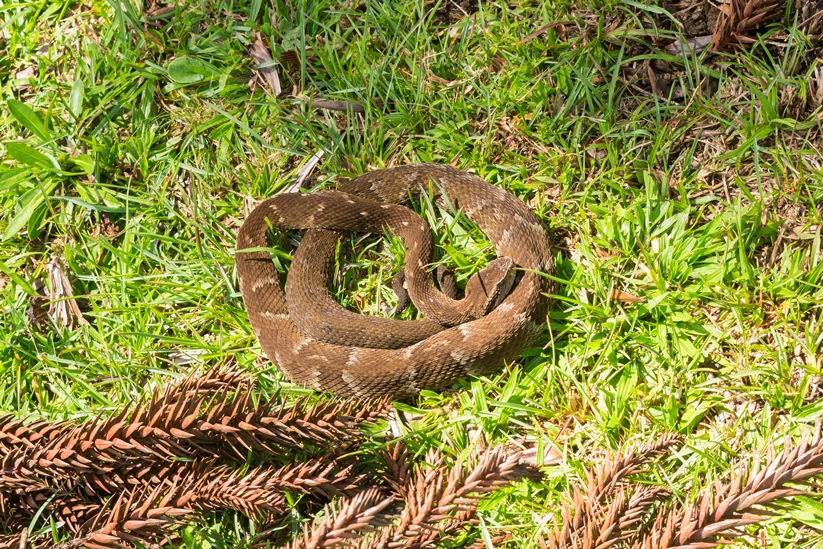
[592,521]
[208,421]
[95,444]
[70,509]
[187,421]
[205,486]
[749,497]
[619,521]
[357,516]
[323,476]
[440,500]
[130,478]
[276,430]
[14,541]
[738,18]
[140,516]
[16,435]
[630,517]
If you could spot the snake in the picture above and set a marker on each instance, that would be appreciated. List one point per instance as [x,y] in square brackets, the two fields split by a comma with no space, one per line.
[319,344]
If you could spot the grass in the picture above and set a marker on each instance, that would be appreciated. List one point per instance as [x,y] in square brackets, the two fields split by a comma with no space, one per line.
[137,174]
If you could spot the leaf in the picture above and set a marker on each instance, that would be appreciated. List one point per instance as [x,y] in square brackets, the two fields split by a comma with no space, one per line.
[38,215]
[29,155]
[645,7]
[32,199]
[188,70]
[28,118]
[76,98]
[29,202]
[10,178]
[85,162]
[808,511]
[16,278]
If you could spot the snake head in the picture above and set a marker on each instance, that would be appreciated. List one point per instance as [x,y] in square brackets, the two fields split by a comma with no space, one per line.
[486,289]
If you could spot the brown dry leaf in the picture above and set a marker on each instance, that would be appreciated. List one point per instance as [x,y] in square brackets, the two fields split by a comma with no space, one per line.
[342,106]
[596,151]
[690,46]
[159,12]
[550,456]
[624,297]
[24,77]
[739,17]
[304,171]
[542,30]
[261,55]
[63,305]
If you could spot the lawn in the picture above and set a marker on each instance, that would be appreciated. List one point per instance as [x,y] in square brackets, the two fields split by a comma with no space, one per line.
[682,192]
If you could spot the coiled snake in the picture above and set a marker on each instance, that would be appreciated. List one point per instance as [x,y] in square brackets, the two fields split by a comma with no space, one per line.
[339,351]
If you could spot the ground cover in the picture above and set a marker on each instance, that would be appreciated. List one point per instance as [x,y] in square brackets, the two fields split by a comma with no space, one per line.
[682,193]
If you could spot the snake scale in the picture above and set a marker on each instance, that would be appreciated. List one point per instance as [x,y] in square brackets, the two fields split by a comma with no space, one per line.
[456,344]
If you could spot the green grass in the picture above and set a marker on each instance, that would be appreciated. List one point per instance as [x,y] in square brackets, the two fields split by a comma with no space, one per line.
[708,208]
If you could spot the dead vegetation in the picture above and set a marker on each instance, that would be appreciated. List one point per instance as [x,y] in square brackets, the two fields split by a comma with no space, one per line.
[142,473]
[138,476]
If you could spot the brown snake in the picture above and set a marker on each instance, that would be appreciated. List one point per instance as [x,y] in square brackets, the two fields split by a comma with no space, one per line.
[474,347]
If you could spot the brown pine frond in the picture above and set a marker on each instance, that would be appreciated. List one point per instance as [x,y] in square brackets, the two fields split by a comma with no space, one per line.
[737,19]
[605,477]
[70,509]
[184,436]
[98,446]
[363,513]
[204,486]
[618,521]
[321,476]
[398,462]
[14,541]
[639,504]
[274,429]
[212,488]
[325,476]
[140,516]
[593,519]
[137,517]
[16,476]
[16,435]
[23,495]
[441,500]
[189,421]
[750,496]
[130,478]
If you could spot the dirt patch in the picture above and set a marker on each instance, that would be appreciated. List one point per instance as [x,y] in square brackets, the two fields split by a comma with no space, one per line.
[698,18]
[451,11]
[726,27]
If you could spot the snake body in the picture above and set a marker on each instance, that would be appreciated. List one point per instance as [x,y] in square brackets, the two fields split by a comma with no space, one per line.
[366,204]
